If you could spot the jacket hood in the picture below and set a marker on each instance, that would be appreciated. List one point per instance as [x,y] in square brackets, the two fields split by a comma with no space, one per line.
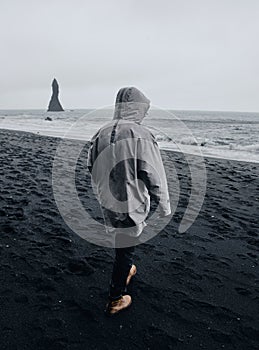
[131,104]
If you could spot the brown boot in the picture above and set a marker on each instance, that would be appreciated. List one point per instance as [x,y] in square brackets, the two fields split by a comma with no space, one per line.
[132,272]
[113,307]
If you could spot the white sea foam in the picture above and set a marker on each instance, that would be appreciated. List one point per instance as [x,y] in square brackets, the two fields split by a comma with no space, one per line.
[214,134]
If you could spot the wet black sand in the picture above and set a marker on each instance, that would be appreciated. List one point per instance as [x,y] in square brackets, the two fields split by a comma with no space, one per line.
[192,291]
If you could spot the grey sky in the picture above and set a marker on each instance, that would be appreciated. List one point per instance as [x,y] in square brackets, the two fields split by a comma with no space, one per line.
[201,54]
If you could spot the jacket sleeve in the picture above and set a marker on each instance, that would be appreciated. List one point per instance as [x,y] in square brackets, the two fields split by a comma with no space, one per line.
[151,171]
[93,152]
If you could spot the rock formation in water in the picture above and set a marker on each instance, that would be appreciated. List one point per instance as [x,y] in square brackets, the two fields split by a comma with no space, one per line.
[54,104]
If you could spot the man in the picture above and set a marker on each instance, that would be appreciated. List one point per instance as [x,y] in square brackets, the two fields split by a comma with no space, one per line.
[127,172]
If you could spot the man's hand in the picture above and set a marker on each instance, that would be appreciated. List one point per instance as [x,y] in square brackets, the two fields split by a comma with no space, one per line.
[163,213]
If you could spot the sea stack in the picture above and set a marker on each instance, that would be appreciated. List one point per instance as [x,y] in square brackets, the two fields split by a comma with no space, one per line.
[54,104]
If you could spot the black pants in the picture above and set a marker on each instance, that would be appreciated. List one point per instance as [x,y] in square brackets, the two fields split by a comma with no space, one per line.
[121,267]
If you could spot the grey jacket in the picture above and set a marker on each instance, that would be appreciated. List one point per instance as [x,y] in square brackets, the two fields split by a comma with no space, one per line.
[126,166]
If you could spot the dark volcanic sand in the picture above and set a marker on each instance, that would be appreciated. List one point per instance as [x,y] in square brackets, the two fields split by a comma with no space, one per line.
[193,290]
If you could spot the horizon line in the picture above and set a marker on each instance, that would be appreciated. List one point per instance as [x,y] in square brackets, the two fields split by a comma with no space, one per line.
[94,108]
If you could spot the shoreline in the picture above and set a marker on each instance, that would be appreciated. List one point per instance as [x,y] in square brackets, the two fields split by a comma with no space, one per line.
[162,149]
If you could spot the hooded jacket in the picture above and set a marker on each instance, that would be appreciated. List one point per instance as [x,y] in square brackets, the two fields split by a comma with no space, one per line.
[126,166]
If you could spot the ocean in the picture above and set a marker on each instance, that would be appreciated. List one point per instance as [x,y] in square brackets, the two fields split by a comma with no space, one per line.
[227,135]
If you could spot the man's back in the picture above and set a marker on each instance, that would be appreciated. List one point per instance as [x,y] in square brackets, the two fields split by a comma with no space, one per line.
[126,165]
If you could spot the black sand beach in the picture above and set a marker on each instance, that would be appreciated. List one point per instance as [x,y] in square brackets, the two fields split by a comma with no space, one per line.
[197,290]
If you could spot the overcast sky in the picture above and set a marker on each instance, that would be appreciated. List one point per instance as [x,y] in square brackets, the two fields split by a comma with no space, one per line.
[185,54]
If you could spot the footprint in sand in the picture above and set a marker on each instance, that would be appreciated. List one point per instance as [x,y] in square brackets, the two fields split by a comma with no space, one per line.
[21,298]
[243,291]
